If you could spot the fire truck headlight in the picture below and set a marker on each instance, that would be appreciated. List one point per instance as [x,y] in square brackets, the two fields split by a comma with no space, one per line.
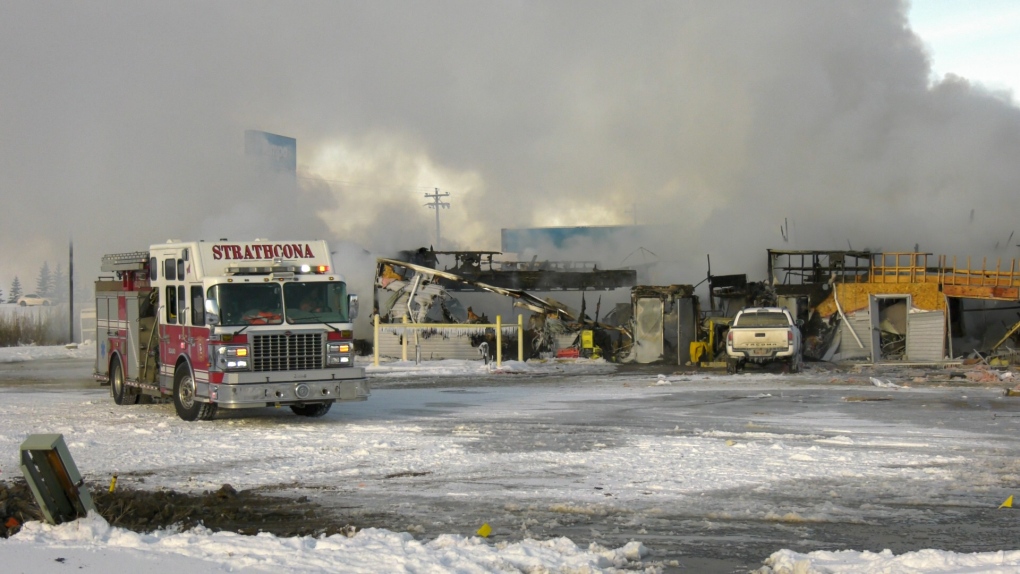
[338,354]
[232,358]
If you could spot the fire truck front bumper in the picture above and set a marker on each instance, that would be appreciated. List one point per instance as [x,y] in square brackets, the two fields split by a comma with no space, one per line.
[247,390]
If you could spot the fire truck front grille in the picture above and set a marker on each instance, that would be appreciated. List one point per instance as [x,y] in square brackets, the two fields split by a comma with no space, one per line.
[292,352]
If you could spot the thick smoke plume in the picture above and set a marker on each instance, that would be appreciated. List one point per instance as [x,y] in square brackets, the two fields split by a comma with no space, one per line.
[122,125]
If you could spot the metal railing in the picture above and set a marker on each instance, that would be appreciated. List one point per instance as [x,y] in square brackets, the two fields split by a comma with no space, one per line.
[405,330]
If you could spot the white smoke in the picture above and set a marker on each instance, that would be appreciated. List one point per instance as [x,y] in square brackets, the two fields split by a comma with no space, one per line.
[717,121]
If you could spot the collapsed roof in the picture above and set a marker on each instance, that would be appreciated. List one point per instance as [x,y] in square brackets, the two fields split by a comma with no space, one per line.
[533,275]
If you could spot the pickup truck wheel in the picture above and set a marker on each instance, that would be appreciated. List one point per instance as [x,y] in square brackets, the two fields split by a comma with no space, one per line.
[731,366]
[312,410]
[795,364]
[188,408]
[118,389]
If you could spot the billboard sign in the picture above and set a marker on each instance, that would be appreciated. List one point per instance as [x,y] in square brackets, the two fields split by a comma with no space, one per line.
[273,151]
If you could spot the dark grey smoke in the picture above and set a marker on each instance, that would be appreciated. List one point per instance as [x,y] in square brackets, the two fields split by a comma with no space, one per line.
[122,124]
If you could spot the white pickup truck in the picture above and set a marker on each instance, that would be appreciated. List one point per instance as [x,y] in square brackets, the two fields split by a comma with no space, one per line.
[763,335]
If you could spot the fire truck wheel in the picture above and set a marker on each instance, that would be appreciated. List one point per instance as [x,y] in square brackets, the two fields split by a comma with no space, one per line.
[313,410]
[117,388]
[187,407]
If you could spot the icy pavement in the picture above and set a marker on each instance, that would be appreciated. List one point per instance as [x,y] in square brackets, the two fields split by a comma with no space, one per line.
[707,472]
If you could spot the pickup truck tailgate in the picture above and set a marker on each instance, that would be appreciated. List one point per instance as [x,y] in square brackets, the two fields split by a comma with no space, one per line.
[760,338]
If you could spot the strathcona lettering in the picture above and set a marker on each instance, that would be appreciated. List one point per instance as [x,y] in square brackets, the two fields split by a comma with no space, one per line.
[262,251]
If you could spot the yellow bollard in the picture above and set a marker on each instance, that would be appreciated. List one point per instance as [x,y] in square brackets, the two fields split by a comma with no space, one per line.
[375,339]
[499,342]
[520,338]
[403,341]
[113,483]
[485,530]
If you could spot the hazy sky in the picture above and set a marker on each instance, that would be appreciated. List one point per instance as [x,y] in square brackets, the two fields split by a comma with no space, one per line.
[122,124]
[977,39]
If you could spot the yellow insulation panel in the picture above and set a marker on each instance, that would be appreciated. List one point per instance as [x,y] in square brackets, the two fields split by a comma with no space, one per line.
[854,296]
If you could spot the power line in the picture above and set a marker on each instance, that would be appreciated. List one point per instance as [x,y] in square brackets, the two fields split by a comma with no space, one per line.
[366,185]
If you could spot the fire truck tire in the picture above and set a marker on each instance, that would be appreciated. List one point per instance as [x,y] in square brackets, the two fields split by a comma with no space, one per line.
[118,390]
[312,410]
[188,408]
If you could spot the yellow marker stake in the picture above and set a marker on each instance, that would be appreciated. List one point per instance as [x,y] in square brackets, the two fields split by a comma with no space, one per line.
[485,530]
[113,483]
[1008,503]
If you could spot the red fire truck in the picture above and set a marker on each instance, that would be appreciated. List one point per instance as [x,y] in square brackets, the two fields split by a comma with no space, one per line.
[227,325]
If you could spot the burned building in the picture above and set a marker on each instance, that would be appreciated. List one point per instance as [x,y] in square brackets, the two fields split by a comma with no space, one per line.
[491,268]
[416,288]
[664,323]
[883,306]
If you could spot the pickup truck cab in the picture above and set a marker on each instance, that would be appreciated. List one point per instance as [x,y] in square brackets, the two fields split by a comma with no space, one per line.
[763,335]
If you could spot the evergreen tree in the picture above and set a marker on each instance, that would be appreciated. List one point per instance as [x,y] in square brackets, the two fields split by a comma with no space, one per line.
[1,295]
[44,285]
[59,290]
[15,290]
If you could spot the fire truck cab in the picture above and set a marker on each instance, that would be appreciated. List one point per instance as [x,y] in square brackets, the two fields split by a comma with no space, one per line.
[227,325]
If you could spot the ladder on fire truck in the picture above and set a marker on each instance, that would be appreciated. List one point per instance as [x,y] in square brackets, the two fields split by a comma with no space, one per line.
[134,261]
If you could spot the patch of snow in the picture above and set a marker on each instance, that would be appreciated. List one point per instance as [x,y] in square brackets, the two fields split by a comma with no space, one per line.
[885,384]
[86,350]
[852,561]
[91,546]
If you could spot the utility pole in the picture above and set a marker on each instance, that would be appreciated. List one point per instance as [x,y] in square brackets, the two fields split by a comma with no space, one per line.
[436,204]
[70,288]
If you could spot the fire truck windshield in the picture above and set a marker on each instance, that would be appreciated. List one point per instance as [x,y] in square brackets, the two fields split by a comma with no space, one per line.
[316,302]
[248,303]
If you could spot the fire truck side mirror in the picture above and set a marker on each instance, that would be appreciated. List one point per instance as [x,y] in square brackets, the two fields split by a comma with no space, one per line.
[212,312]
[352,304]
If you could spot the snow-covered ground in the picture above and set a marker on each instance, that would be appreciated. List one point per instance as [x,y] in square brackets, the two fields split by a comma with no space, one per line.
[465,444]
[86,350]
